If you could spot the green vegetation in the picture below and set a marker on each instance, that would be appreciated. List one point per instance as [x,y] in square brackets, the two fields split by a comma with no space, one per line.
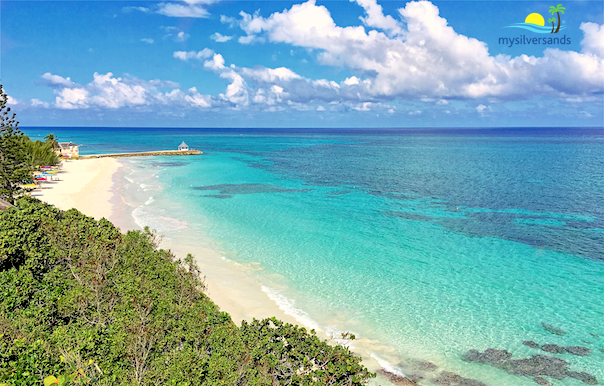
[19,155]
[81,303]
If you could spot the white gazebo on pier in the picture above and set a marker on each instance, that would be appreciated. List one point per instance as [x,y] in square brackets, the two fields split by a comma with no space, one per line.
[183,146]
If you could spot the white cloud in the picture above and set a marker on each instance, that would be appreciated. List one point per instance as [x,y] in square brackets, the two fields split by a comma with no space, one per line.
[351,81]
[442,102]
[181,36]
[423,56]
[107,91]
[36,102]
[147,40]
[72,98]
[231,21]
[198,100]
[483,110]
[203,54]
[363,106]
[375,17]
[250,39]
[141,9]
[57,81]
[11,101]
[593,41]
[219,38]
[182,10]
[217,62]
[270,75]
[321,108]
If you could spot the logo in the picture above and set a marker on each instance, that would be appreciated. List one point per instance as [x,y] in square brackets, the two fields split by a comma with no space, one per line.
[536,23]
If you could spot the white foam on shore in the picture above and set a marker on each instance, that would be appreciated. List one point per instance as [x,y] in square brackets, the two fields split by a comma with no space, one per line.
[154,219]
[389,367]
[229,260]
[149,201]
[287,306]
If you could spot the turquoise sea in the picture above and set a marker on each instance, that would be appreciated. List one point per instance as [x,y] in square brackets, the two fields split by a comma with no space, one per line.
[424,243]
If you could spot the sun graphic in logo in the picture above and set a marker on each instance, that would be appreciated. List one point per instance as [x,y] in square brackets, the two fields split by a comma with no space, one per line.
[535,18]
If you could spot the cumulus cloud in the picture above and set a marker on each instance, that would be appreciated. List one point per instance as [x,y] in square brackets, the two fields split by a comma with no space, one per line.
[593,40]
[422,55]
[147,40]
[203,54]
[375,17]
[72,98]
[108,91]
[219,38]
[11,101]
[196,99]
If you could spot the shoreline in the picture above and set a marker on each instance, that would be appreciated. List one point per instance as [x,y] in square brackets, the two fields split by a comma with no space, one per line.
[93,187]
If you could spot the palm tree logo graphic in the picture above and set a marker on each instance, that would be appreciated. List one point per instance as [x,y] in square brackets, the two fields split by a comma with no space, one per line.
[552,20]
[534,22]
[558,10]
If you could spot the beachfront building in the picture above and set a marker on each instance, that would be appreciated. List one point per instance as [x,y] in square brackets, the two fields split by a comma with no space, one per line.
[68,150]
[183,146]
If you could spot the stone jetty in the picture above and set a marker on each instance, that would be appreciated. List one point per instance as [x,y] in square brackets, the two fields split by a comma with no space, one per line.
[144,153]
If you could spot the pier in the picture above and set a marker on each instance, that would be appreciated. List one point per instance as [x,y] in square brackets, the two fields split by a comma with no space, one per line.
[144,153]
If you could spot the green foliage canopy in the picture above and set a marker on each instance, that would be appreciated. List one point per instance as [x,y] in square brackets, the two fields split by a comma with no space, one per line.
[14,171]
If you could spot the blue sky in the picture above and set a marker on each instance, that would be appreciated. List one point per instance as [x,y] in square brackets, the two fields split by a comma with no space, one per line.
[363,63]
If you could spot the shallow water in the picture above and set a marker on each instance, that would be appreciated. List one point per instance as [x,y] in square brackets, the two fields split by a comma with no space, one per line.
[425,243]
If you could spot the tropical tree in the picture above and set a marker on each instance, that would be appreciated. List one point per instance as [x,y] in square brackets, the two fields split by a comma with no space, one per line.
[51,138]
[39,153]
[552,20]
[557,10]
[14,171]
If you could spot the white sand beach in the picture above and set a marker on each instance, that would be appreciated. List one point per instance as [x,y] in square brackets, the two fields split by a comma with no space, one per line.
[83,184]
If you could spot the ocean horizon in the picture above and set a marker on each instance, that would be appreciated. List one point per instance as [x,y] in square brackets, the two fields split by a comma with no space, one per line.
[424,243]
